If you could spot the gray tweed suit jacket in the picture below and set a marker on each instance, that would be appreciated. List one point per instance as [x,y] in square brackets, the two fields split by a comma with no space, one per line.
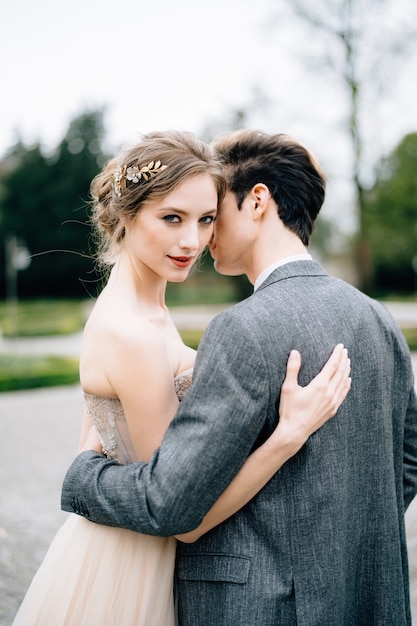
[323,543]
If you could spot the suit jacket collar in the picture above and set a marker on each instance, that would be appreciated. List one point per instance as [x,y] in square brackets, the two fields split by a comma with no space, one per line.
[291,270]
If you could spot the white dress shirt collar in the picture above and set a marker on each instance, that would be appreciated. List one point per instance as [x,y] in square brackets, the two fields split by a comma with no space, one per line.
[268,270]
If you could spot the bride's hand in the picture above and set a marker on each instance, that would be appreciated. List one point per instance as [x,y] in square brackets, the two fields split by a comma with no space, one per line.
[303,410]
[92,442]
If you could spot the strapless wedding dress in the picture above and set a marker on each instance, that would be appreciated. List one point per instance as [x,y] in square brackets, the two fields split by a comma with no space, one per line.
[95,575]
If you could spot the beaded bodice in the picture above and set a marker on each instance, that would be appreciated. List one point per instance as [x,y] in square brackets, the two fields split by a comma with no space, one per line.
[109,419]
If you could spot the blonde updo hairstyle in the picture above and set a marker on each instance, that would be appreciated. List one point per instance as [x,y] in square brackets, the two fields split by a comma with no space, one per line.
[182,154]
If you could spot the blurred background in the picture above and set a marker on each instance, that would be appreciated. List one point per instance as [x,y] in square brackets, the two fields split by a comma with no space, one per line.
[82,80]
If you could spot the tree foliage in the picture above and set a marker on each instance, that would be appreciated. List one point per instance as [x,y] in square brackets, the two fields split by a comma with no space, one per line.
[44,203]
[391,218]
[361,42]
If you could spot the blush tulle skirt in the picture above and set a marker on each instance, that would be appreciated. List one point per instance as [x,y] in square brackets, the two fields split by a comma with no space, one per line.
[95,575]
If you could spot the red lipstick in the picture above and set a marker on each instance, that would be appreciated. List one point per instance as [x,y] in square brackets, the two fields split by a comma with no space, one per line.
[181,261]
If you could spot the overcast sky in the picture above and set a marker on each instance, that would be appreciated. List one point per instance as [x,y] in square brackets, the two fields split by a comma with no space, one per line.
[177,64]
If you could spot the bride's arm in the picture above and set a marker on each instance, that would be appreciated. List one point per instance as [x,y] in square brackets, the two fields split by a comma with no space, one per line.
[302,411]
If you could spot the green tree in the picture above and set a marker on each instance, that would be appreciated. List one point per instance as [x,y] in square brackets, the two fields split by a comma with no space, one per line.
[360,42]
[391,218]
[44,204]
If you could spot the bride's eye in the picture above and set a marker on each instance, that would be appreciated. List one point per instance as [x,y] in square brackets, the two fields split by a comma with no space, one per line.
[173,219]
[208,219]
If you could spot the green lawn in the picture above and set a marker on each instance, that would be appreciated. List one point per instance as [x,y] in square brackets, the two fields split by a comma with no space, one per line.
[411,336]
[29,372]
[43,317]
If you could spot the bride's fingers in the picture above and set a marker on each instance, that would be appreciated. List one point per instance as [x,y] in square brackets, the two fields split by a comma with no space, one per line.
[337,368]
[343,382]
[334,379]
[332,367]
[293,369]
[331,384]
[342,374]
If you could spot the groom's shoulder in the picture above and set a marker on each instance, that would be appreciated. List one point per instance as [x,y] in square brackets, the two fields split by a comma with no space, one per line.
[238,310]
[236,320]
[230,314]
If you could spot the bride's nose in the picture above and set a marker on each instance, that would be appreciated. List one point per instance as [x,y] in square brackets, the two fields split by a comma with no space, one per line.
[190,239]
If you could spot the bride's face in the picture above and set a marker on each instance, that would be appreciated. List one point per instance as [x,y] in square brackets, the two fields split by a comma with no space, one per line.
[167,235]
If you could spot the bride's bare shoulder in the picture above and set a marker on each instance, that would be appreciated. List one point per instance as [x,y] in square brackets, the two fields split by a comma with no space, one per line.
[119,326]
[115,339]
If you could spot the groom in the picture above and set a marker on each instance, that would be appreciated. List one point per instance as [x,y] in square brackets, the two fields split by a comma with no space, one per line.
[323,543]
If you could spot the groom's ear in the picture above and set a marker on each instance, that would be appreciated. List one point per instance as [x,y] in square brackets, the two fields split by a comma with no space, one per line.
[260,197]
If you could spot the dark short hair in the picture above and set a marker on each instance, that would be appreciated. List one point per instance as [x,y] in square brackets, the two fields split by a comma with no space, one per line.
[290,172]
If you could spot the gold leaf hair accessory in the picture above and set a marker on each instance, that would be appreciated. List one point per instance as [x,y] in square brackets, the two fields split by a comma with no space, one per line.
[122,175]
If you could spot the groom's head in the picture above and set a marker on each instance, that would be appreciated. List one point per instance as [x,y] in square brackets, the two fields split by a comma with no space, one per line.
[272,181]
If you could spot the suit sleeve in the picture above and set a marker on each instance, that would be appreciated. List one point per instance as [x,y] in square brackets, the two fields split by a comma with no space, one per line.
[214,430]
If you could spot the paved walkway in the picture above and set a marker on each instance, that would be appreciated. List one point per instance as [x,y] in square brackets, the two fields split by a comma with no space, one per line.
[39,433]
